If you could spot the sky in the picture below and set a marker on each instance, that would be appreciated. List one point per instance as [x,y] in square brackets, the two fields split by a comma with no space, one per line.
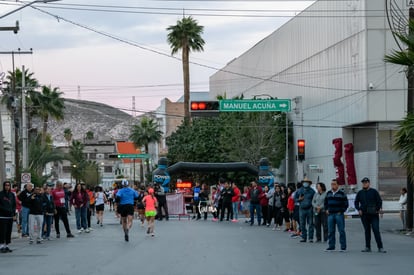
[110,51]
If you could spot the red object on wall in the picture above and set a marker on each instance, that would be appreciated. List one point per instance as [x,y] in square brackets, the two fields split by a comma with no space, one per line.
[350,164]
[340,170]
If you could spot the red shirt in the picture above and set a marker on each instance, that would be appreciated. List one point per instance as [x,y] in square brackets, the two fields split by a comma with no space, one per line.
[59,197]
[236,196]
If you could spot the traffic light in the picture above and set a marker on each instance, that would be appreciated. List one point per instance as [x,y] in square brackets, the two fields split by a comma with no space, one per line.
[204,108]
[113,156]
[301,149]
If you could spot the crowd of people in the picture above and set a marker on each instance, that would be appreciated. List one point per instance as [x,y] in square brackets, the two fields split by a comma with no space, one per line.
[311,213]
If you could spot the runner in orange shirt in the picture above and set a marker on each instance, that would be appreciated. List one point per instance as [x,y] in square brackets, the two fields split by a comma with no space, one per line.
[151,205]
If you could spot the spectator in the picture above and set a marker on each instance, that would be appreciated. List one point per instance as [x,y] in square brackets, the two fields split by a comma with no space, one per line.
[278,208]
[204,193]
[291,208]
[25,199]
[235,201]
[305,196]
[49,212]
[321,219]
[37,210]
[245,203]
[264,204]
[335,203]
[162,202]
[254,195]
[226,194]
[79,199]
[90,206]
[196,200]
[16,191]
[403,207]
[369,205]
[61,213]
[7,214]
[271,209]
[215,198]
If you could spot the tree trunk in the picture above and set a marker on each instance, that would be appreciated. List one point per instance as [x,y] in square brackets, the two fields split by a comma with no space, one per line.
[186,76]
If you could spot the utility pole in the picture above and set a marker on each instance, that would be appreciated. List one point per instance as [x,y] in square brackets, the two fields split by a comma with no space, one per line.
[24,122]
[410,109]
[16,114]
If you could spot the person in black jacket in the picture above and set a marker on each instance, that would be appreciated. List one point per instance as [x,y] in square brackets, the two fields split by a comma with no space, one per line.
[37,209]
[227,193]
[49,212]
[24,197]
[7,214]
[369,205]
[335,204]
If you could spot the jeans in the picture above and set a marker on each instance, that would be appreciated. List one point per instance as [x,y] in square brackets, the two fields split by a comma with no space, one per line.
[306,218]
[25,220]
[47,221]
[258,208]
[235,209]
[371,221]
[80,214]
[337,219]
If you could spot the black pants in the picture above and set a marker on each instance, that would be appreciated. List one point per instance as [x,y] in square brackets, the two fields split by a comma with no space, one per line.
[162,205]
[321,224]
[229,207]
[371,222]
[219,208]
[278,212]
[265,214]
[6,226]
[63,215]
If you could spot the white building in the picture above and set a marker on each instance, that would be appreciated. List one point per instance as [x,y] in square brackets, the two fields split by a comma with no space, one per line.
[331,57]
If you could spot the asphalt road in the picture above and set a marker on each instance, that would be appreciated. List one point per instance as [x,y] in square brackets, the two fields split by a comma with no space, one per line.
[204,247]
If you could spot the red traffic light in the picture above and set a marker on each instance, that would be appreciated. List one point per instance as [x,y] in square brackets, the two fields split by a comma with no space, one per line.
[301,149]
[204,108]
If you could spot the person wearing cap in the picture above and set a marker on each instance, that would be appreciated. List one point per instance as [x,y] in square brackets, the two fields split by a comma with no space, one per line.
[126,197]
[368,202]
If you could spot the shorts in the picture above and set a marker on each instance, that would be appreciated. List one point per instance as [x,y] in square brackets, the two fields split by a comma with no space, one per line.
[151,213]
[126,210]
[100,207]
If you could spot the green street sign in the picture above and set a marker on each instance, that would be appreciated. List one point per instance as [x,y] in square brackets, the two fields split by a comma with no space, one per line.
[248,105]
[133,156]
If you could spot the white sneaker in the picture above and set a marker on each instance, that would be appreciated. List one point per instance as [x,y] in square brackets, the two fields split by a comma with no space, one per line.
[90,229]
[80,231]
[87,230]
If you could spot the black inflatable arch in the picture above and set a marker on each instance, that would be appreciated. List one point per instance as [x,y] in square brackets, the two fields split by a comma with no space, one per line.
[213,167]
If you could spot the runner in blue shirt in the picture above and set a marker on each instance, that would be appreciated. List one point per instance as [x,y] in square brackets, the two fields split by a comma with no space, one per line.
[125,198]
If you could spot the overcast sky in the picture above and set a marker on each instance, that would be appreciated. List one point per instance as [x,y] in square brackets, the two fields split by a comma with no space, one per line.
[111,50]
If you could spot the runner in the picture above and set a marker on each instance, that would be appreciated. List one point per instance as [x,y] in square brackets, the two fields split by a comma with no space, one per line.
[125,198]
[150,202]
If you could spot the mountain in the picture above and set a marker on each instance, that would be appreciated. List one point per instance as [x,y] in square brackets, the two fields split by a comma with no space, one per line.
[81,116]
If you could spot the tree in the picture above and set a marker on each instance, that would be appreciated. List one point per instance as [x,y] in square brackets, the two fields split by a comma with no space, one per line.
[186,36]
[78,160]
[143,134]
[89,135]
[48,103]
[406,58]
[67,134]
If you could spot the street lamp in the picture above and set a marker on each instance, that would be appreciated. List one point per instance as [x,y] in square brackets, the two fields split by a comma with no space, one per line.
[26,5]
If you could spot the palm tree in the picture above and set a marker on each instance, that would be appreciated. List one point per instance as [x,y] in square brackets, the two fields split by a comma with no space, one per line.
[77,159]
[144,133]
[186,36]
[48,103]
[403,141]
[67,134]
[89,135]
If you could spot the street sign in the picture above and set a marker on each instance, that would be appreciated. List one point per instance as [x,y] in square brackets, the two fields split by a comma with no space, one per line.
[410,3]
[133,156]
[26,177]
[248,105]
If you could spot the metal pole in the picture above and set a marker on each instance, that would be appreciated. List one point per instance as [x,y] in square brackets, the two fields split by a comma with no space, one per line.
[24,121]
[287,151]
[26,5]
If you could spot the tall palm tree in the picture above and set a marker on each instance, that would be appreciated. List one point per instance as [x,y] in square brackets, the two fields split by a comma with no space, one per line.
[144,133]
[78,160]
[48,103]
[89,135]
[67,134]
[403,141]
[186,36]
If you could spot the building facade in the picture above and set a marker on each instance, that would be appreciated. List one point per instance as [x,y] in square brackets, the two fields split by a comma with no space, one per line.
[329,61]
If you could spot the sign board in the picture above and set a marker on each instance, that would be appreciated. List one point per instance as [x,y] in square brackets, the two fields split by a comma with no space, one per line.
[26,177]
[133,156]
[248,105]
[410,3]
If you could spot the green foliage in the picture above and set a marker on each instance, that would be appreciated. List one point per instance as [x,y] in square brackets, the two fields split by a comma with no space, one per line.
[230,137]
[186,34]
[404,143]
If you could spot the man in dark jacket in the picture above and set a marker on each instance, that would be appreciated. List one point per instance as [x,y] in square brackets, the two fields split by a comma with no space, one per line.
[336,203]
[369,205]
[227,193]
[305,196]
[25,199]
[37,209]
[7,214]
[162,201]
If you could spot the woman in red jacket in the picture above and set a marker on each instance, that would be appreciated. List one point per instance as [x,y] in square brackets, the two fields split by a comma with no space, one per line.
[264,203]
[291,209]
[235,201]
[80,200]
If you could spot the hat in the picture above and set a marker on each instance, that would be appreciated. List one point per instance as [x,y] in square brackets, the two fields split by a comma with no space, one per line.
[151,191]
[365,179]
[125,183]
